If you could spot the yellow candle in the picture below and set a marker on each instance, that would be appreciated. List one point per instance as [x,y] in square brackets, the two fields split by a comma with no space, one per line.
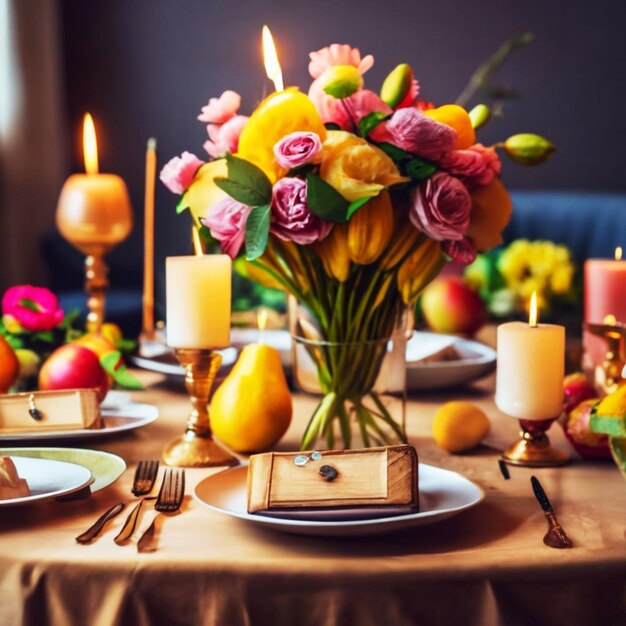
[198,293]
[531,367]
[94,211]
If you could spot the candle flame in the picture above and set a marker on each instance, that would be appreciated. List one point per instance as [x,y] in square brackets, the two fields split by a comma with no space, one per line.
[197,244]
[261,319]
[618,253]
[270,60]
[532,317]
[90,146]
[610,320]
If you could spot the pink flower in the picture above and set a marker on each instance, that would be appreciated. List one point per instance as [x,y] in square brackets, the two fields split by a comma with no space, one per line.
[227,222]
[411,96]
[414,132]
[224,138]
[178,172]
[338,54]
[33,308]
[462,250]
[441,208]
[291,218]
[297,148]
[347,112]
[476,166]
[222,109]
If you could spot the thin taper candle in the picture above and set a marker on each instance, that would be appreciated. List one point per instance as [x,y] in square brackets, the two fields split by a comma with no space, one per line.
[148,241]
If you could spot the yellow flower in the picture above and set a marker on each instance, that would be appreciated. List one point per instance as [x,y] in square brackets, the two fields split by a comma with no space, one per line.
[370,229]
[203,193]
[419,269]
[404,239]
[278,115]
[333,251]
[561,279]
[355,168]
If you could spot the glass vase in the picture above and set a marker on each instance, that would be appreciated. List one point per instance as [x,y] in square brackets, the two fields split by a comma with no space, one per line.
[362,385]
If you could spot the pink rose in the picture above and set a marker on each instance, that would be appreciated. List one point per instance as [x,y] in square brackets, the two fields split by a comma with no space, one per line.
[462,250]
[178,172]
[33,308]
[291,218]
[476,166]
[224,138]
[441,208]
[412,131]
[220,110]
[227,222]
[296,149]
[338,54]
[346,112]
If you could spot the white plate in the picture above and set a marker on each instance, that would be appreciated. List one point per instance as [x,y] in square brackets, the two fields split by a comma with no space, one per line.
[442,494]
[105,467]
[477,360]
[48,479]
[167,364]
[116,420]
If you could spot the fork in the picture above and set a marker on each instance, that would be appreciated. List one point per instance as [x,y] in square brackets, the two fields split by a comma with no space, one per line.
[170,498]
[143,481]
[146,471]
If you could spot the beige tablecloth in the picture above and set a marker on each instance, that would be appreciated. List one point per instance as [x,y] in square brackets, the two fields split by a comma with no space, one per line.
[485,566]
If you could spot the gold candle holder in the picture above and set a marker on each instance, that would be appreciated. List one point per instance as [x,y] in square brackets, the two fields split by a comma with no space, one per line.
[607,376]
[533,448]
[197,448]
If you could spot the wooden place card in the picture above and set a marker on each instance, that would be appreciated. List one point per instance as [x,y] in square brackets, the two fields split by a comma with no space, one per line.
[334,484]
[49,410]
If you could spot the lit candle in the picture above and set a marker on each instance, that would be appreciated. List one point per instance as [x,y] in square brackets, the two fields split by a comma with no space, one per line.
[270,60]
[531,367]
[93,212]
[605,285]
[198,293]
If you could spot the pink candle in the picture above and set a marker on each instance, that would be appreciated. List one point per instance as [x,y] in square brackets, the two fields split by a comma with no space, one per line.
[605,288]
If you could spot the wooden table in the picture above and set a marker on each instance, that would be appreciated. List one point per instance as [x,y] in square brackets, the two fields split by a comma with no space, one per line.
[485,566]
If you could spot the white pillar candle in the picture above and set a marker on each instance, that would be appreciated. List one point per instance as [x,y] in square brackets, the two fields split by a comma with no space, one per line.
[198,293]
[531,367]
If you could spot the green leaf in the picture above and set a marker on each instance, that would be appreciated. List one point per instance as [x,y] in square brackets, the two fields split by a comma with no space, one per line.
[353,207]
[182,205]
[257,231]
[110,361]
[419,169]
[29,304]
[113,364]
[46,336]
[368,123]
[246,183]
[325,201]
[397,154]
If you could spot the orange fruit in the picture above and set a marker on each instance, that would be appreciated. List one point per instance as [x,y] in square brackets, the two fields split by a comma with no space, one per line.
[9,366]
[458,118]
[459,426]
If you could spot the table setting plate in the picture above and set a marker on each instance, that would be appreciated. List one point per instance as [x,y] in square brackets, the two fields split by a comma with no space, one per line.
[48,479]
[115,418]
[105,467]
[476,359]
[443,493]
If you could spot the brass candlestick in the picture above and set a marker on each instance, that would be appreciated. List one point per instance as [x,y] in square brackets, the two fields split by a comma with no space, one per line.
[533,448]
[607,376]
[196,448]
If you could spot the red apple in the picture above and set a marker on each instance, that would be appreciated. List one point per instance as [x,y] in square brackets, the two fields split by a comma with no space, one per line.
[576,427]
[73,367]
[451,306]
[576,388]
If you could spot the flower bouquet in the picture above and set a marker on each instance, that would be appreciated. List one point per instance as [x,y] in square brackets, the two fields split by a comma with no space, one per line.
[351,201]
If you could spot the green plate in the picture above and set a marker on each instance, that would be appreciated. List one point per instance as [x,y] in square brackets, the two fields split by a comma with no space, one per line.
[105,467]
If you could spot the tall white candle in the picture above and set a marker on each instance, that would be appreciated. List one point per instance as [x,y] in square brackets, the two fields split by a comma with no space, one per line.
[531,367]
[198,293]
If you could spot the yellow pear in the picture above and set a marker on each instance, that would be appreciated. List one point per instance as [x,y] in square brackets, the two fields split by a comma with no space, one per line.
[251,410]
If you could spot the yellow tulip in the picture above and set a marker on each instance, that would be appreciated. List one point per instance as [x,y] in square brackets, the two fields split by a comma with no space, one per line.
[458,118]
[382,292]
[278,115]
[491,212]
[355,168]
[203,193]
[419,269]
[258,274]
[370,229]
[406,236]
[333,252]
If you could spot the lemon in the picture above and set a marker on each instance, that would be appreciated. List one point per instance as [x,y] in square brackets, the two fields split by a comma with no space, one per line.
[459,426]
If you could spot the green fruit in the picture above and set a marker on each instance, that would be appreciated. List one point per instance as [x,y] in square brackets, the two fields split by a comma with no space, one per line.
[528,149]
[341,81]
[397,85]
[480,116]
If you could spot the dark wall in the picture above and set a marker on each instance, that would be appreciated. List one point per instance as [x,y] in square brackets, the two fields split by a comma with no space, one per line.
[145,67]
